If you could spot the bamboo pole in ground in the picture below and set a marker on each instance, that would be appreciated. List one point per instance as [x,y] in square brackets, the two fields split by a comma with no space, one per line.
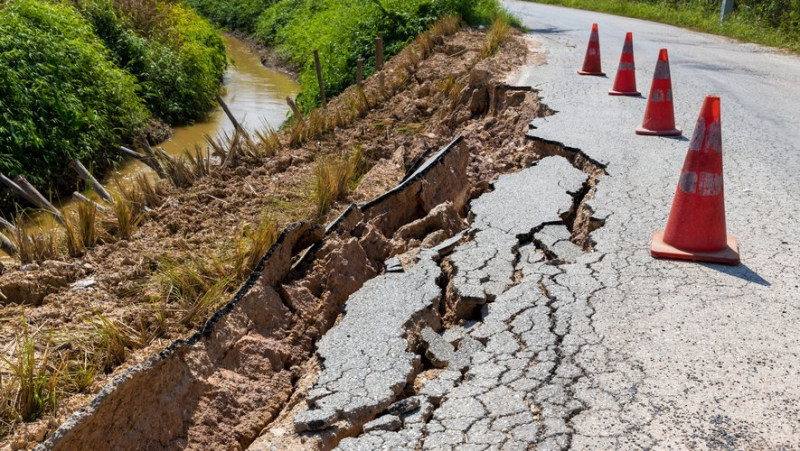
[236,123]
[7,246]
[7,225]
[37,198]
[166,156]
[86,200]
[16,188]
[87,177]
[295,110]
[319,80]
[359,71]
[379,52]
[151,162]
[379,60]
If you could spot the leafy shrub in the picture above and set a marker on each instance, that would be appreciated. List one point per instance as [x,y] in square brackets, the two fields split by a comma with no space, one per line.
[61,98]
[239,15]
[177,57]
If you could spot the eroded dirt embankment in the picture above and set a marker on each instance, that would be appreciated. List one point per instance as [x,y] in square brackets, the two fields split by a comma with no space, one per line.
[244,365]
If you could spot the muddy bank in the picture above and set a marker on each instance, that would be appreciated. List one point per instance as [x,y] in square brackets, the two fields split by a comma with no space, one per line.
[451,93]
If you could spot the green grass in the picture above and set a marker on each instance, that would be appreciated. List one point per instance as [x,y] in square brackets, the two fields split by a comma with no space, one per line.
[774,23]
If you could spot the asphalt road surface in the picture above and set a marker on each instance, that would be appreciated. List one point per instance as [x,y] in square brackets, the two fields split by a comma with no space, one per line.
[716,350]
[610,349]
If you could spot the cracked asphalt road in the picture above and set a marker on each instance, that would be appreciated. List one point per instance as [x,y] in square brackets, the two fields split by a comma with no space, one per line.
[610,349]
[691,356]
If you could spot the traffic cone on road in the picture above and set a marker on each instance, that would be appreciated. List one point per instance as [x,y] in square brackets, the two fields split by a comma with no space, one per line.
[659,116]
[591,63]
[625,81]
[696,225]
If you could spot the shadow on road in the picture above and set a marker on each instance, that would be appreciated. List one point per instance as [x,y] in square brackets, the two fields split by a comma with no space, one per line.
[741,271]
[676,138]
[550,30]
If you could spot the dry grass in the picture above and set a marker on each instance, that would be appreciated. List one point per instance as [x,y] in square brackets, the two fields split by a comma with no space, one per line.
[34,247]
[499,33]
[198,311]
[269,140]
[199,285]
[330,183]
[447,26]
[32,390]
[250,245]
[334,177]
[451,91]
[80,229]
[152,192]
[179,172]
[126,212]
[113,342]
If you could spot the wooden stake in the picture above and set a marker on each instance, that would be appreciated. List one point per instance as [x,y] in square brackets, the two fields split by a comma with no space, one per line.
[86,177]
[7,225]
[40,200]
[166,156]
[319,80]
[14,187]
[86,200]
[7,245]
[151,162]
[359,71]
[236,123]
[295,110]
[379,53]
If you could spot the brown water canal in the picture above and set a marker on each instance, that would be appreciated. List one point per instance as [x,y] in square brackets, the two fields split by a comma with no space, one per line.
[255,95]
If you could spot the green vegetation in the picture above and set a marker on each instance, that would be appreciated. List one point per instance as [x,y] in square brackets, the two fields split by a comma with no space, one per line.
[177,57]
[774,23]
[342,30]
[80,78]
[61,97]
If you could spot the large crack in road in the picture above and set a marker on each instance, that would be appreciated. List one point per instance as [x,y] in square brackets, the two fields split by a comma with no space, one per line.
[485,358]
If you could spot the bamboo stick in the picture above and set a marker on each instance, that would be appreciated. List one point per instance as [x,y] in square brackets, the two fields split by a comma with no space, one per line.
[319,80]
[7,225]
[379,52]
[14,187]
[7,245]
[86,200]
[151,162]
[40,201]
[166,156]
[359,71]
[293,106]
[146,146]
[236,123]
[86,177]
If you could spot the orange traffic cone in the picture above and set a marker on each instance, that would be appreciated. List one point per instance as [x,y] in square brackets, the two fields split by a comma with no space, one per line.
[696,226]
[659,116]
[625,81]
[591,64]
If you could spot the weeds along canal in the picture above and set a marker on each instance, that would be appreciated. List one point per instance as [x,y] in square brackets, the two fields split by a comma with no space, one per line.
[255,94]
